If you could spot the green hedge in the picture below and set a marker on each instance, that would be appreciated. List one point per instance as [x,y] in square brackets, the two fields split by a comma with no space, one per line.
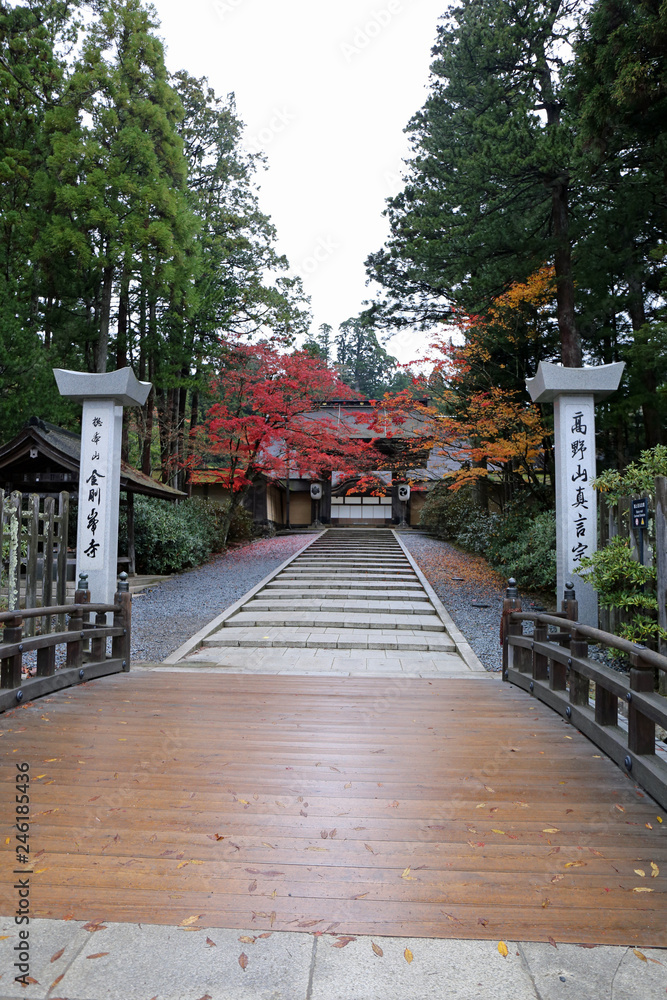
[170,537]
[521,543]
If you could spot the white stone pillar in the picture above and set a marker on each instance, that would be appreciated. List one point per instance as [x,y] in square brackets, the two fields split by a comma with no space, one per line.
[103,397]
[574,392]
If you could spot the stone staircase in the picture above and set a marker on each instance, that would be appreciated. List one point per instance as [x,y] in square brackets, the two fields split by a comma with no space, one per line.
[352,589]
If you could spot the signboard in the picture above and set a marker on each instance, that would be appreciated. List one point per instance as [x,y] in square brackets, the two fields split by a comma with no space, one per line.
[640,513]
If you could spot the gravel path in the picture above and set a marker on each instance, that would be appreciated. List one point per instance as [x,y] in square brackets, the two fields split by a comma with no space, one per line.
[471,591]
[165,616]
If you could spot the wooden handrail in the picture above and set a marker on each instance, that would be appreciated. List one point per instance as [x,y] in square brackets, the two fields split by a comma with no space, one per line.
[595,635]
[86,643]
[555,668]
[60,609]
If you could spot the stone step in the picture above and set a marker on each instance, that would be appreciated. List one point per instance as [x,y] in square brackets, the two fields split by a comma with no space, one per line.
[388,586]
[311,638]
[396,563]
[341,603]
[335,619]
[294,570]
[327,593]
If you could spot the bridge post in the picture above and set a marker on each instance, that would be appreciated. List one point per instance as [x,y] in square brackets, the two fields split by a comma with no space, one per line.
[10,671]
[121,644]
[512,602]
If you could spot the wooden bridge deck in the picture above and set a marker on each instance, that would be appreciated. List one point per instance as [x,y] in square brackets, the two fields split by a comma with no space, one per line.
[452,809]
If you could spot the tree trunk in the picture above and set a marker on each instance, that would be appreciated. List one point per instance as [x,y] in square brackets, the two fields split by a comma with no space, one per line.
[102,350]
[570,341]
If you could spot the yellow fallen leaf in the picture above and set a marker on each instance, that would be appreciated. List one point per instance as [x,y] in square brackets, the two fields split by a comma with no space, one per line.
[406,875]
[501,832]
[247,940]
[655,871]
[191,920]
[38,871]
[317,848]
[5,937]
[407,954]
[377,949]
[640,872]
[620,808]
[642,889]
[659,819]
[576,864]
[481,805]
[639,955]
[551,829]
[649,826]
[7,839]
[502,948]
[349,785]
[243,802]
[183,864]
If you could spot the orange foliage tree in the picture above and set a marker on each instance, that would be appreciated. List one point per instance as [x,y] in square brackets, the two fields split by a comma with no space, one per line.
[479,423]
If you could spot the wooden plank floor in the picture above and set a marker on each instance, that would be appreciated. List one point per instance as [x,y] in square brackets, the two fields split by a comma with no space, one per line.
[453,809]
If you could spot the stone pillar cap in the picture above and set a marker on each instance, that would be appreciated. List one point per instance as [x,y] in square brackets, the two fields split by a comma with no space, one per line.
[122,386]
[556,380]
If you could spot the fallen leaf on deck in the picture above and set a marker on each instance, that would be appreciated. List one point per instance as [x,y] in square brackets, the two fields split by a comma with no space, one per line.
[408,956]
[214,836]
[317,848]
[369,848]
[639,955]
[342,941]
[244,939]
[640,872]
[655,871]
[620,808]
[377,949]
[552,942]
[482,805]
[501,832]
[272,918]
[94,925]
[54,958]
[482,921]
[502,948]
[551,829]
[253,886]
[98,954]
[243,960]
[576,864]
[210,943]
[324,834]
[348,785]
[394,805]
[406,875]
[557,878]
[642,889]
[191,920]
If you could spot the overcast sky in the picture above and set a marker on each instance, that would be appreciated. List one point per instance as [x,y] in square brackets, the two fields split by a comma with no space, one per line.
[325,88]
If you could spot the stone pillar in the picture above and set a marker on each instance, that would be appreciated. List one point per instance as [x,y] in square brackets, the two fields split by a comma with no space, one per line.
[574,392]
[103,398]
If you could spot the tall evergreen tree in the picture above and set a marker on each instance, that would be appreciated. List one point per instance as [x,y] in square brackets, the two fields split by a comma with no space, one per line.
[487,194]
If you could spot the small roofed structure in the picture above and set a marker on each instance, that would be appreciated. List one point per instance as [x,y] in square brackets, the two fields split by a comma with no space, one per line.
[44,458]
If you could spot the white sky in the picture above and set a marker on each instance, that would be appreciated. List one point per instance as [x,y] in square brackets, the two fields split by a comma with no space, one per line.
[325,88]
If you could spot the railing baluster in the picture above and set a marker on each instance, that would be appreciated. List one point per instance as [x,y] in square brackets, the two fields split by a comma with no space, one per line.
[579,685]
[540,661]
[641,730]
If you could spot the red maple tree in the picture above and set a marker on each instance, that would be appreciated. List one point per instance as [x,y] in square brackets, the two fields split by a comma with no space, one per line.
[265,421]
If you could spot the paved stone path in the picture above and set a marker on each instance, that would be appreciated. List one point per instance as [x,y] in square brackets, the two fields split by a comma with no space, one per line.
[353,602]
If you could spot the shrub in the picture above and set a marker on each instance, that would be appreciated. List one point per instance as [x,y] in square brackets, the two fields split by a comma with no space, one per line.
[171,537]
[523,545]
[520,543]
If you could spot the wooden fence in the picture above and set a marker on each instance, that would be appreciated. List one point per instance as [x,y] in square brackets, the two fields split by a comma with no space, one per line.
[33,537]
[555,667]
[34,614]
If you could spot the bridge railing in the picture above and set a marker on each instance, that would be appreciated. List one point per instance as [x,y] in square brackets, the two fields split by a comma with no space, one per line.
[85,641]
[618,712]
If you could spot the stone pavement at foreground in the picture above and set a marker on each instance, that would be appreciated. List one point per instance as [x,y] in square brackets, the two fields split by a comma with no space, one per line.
[353,602]
[148,962]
